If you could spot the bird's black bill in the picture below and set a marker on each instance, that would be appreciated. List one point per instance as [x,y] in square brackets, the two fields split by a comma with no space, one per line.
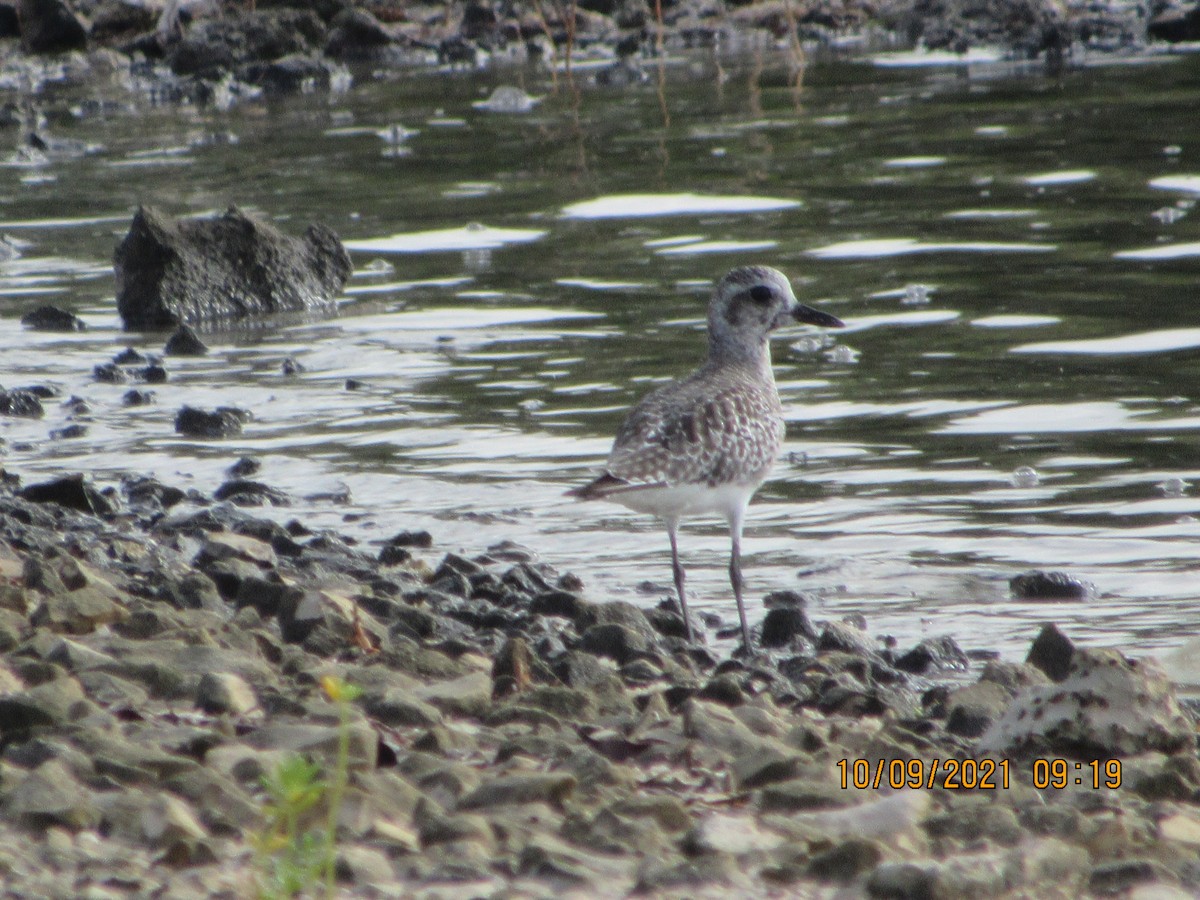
[810,316]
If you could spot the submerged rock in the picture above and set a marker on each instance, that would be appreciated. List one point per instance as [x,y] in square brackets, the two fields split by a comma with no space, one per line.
[184,342]
[1039,585]
[22,403]
[50,318]
[206,272]
[224,421]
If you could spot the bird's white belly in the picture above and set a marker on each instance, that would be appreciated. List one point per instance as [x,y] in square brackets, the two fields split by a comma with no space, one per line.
[676,501]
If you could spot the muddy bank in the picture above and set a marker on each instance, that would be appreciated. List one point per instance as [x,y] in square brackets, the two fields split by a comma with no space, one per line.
[162,651]
[203,52]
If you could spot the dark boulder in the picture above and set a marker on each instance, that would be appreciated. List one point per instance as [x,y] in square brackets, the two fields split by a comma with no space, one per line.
[51,318]
[10,25]
[933,653]
[326,10]
[1039,585]
[355,35]
[49,26]
[292,74]
[185,342]
[784,624]
[73,492]
[251,493]
[215,47]
[222,422]
[217,271]
[1051,652]
[23,403]
[134,397]
[117,21]
[1175,24]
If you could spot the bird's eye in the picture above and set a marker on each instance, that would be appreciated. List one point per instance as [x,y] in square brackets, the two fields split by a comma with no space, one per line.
[760,294]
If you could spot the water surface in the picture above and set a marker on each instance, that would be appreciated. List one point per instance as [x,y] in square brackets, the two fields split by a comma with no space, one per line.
[1014,254]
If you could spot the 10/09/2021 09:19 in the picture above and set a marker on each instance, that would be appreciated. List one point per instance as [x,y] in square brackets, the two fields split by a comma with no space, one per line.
[975,774]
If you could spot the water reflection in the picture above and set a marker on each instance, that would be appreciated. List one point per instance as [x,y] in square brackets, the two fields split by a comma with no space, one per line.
[935,448]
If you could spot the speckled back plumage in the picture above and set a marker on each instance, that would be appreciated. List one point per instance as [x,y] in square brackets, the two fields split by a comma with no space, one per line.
[720,425]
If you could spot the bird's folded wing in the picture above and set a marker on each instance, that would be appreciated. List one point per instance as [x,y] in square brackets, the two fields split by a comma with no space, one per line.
[685,437]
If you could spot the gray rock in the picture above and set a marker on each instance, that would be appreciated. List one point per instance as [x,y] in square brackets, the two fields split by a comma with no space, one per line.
[901,881]
[112,691]
[205,272]
[1011,676]
[845,860]
[614,641]
[1051,652]
[50,795]
[845,638]
[184,342]
[77,612]
[933,653]
[1052,586]
[785,624]
[220,804]
[23,404]
[46,705]
[76,657]
[71,491]
[971,709]
[48,317]
[807,794]
[1106,706]
[222,422]
[222,693]
[470,695]
[225,545]
[215,47]
[156,819]
[316,740]
[615,612]
[518,789]
[436,827]
[512,667]
[397,708]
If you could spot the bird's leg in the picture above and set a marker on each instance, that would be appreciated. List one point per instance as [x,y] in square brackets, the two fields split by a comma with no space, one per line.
[735,574]
[677,571]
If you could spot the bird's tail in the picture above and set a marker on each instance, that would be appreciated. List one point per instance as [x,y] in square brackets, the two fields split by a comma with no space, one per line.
[599,489]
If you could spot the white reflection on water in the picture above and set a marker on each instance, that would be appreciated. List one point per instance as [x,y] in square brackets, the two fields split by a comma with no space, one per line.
[881,247]
[1188,184]
[1015,321]
[620,206]
[1053,418]
[468,237]
[1162,251]
[1146,342]
[717,247]
[1072,176]
[921,58]
[915,162]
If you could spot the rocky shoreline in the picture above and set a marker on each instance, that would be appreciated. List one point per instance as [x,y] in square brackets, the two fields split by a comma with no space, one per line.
[165,651]
[205,51]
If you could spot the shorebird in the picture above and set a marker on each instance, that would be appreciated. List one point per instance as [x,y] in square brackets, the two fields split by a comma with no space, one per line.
[705,443]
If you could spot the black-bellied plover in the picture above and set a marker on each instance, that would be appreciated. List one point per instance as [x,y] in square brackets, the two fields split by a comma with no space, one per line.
[706,443]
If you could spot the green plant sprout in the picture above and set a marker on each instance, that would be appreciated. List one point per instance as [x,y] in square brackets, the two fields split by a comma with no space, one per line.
[297,855]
